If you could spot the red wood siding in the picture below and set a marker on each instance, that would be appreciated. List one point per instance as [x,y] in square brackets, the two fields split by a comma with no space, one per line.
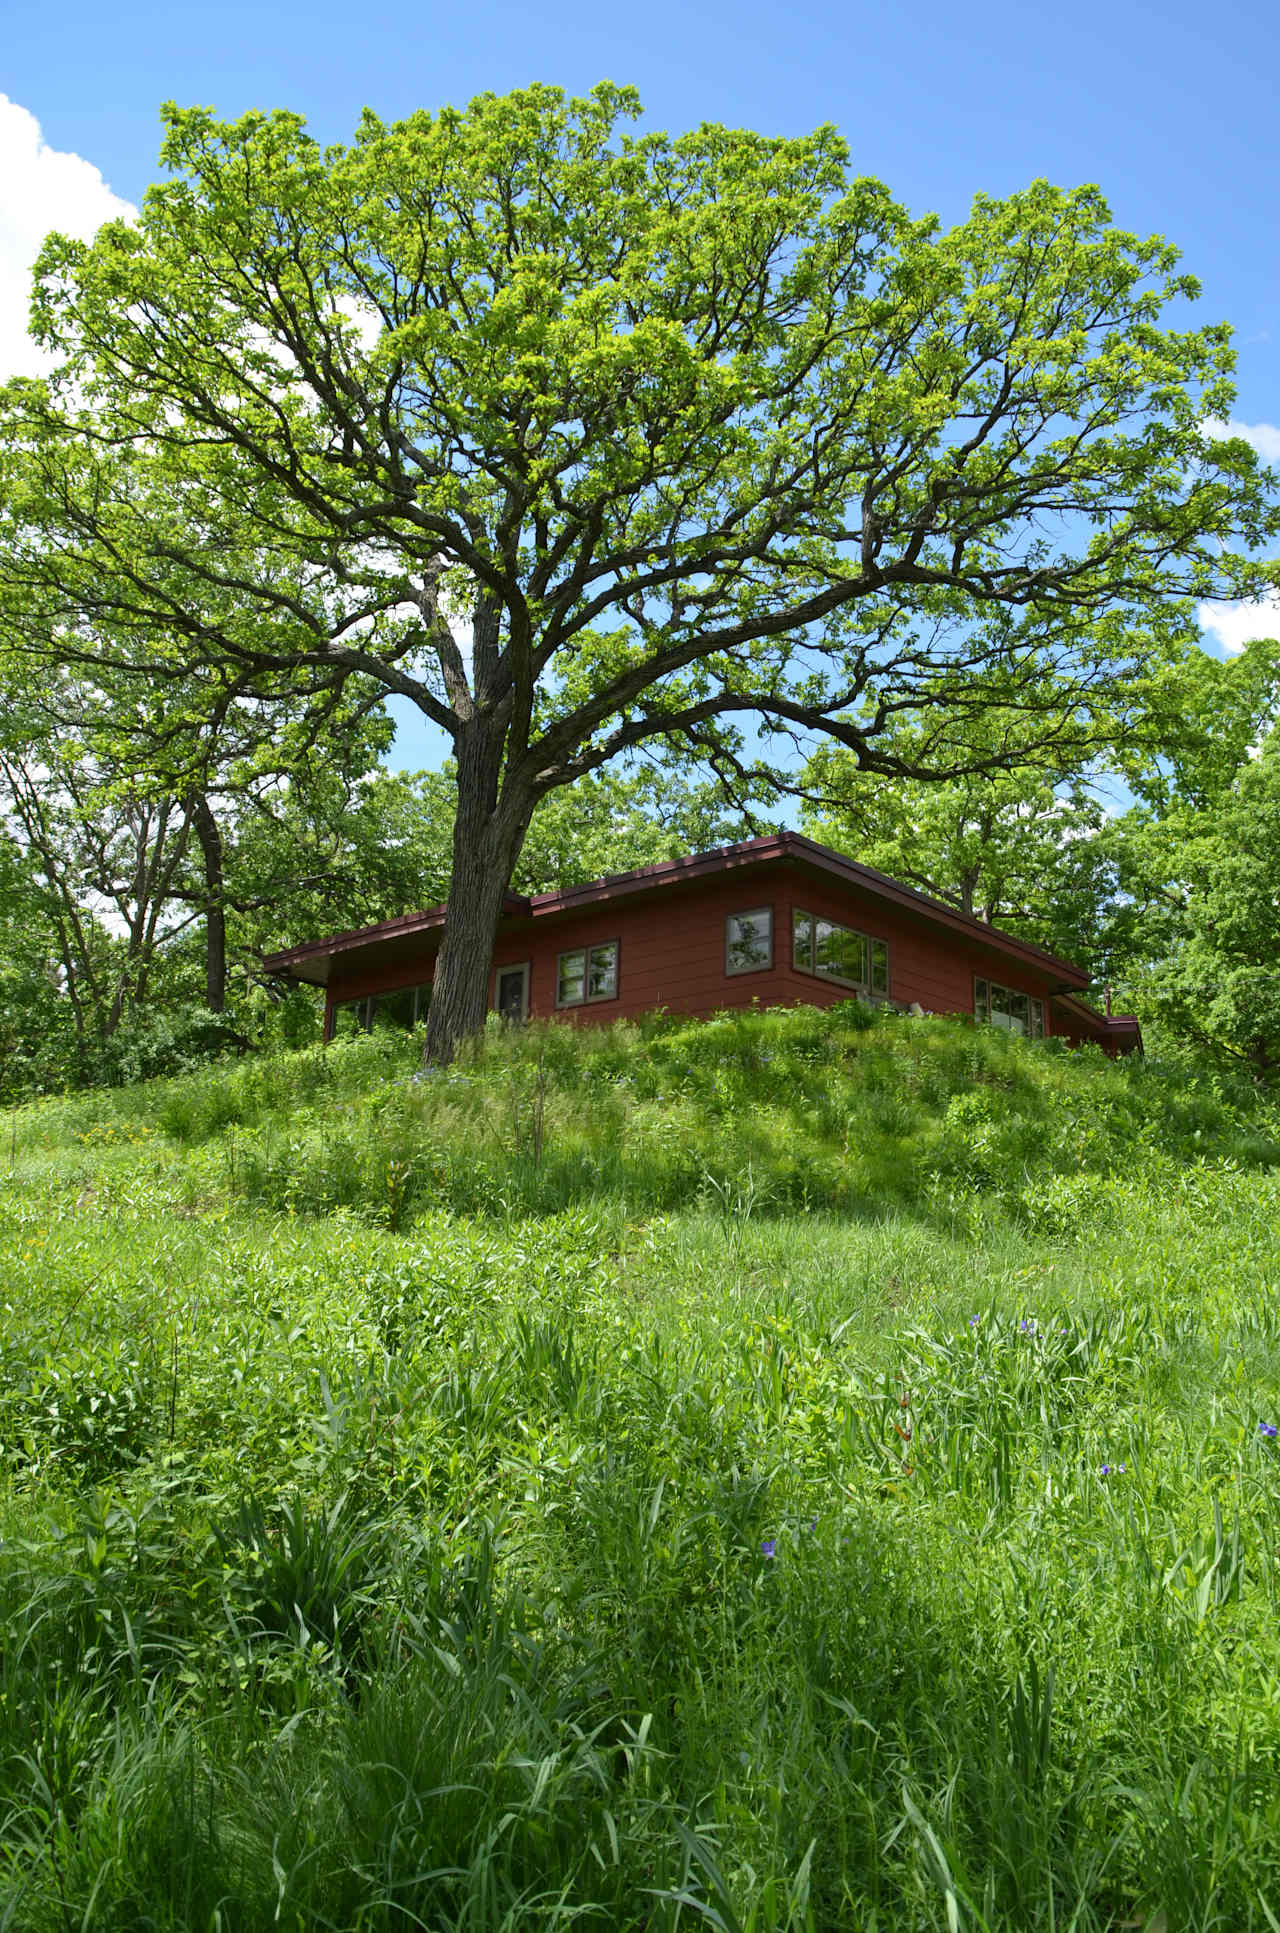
[671,951]
[928,968]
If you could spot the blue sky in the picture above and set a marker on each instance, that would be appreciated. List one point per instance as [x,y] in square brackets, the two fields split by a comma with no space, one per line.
[1171,109]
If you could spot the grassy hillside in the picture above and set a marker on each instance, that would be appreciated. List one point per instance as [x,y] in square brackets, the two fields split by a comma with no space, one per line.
[800,1471]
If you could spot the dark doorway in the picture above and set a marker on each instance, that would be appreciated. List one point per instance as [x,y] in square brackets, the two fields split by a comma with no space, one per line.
[512,992]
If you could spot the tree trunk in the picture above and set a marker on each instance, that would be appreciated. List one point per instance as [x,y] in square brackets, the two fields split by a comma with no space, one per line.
[215,916]
[488,833]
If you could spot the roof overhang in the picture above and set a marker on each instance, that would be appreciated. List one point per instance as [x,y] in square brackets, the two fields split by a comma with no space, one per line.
[1120,1029]
[414,937]
[408,939]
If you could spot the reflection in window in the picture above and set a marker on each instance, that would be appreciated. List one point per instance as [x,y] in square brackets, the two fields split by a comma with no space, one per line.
[1016,1013]
[839,953]
[587,973]
[402,1007]
[748,940]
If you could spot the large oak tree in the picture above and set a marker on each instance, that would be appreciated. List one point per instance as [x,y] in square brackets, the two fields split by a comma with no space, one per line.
[581,440]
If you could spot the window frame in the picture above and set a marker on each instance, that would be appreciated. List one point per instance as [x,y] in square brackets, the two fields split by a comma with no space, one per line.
[982,1013]
[870,942]
[523,967]
[760,966]
[587,998]
[365,1007]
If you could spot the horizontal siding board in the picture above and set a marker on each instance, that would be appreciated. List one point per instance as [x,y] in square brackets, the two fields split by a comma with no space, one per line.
[671,952]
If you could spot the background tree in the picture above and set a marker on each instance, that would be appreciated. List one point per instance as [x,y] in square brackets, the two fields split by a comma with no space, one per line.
[1193,931]
[1022,849]
[36,1042]
[1205,885]
[584,441]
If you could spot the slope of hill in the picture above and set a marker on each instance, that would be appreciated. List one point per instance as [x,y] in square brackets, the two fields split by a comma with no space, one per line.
[805,1470]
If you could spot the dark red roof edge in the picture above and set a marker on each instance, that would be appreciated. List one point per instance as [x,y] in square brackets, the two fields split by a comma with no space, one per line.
[668,872]
[794,845]
[403,926]
[1122,1023]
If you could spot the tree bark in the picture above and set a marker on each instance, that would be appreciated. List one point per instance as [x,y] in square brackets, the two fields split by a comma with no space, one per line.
[215,915]
[488,833]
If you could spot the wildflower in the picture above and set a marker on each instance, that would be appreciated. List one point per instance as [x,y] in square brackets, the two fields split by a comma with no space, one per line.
[1121,1469]
[1267,1429]
[1106,1469]
[770,1547]
[973,1321]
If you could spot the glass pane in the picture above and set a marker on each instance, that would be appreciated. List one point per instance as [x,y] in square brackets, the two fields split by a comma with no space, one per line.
[1037,1020]
[510,1002]
[393,1009]
[840,954]
[802,941]
[602,976]
[1000,1007]
[571,978]
[750,940]
[980,1006]
[879,966]
[1019,1013]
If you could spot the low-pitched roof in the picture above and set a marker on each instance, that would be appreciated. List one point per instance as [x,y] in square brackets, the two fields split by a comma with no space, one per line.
[389,938]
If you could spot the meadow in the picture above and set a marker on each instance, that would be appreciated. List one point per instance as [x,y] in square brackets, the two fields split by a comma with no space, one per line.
[802,1471]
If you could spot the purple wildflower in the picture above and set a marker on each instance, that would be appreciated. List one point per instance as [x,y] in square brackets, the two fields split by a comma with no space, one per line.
[770,1547]
[1267,1429]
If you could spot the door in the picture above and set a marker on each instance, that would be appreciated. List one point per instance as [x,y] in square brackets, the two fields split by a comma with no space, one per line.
[511,993]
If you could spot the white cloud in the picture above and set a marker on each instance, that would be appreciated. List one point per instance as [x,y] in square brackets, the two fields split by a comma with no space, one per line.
[40,188]
[1265,437]
[1234,625]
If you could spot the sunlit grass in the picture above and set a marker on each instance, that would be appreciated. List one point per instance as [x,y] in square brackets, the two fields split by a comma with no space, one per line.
[785,1474]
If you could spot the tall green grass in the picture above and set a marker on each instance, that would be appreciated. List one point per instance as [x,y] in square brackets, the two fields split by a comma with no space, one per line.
[788,1473]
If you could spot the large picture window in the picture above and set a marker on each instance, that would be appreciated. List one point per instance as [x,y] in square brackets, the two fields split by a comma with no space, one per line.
[1017,1013]
[840,953]
[587,973]
[405,1007]
[748,940]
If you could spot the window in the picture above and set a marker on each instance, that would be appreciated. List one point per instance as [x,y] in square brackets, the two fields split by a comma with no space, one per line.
[840,953]
[748,940]
[1016,1013]
[587,973]
[404,1007]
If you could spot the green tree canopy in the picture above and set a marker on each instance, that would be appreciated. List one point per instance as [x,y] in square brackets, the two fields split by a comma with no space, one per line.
[1020,848]
[581,439]
[1205,886]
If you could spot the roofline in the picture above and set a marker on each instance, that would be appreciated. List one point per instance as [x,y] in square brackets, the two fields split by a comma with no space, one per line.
[1121,1022]
[795,846]
[404,926]
[770,848]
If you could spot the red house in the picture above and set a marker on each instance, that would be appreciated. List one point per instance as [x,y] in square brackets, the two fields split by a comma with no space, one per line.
[775,921]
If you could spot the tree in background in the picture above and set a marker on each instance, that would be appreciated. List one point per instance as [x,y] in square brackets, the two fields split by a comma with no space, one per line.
[35,1042]
[1022,849]
[585,442]
[1195,931]
[126,824]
